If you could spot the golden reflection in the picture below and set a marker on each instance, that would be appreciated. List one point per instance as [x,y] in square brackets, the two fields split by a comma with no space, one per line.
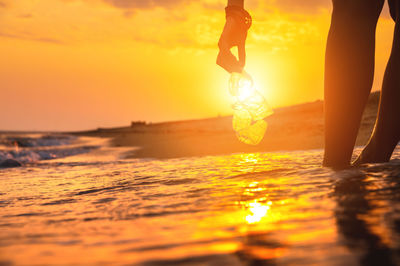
[240,207]
[257,211]
[253,188]
[249,158]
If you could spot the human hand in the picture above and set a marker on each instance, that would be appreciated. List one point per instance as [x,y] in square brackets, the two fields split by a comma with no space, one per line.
[233,35]
[238,21]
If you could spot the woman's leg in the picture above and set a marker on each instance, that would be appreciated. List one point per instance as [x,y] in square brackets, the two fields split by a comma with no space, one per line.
[386,133]
[349,71]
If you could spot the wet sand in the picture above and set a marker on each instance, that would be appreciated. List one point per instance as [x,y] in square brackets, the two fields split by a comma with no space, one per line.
[298,127]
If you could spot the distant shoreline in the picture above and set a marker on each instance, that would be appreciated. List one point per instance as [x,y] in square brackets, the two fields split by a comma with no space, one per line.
[298,127]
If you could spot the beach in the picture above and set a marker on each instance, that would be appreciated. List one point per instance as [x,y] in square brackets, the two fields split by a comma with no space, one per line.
[298,127]
[94,206]
[126,196]
[193,133]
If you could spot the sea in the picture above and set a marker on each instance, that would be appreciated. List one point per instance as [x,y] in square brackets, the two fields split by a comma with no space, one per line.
[80,201]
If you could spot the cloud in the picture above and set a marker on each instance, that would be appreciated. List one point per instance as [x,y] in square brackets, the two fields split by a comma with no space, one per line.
[143,4]
[198,24]
[285,5]
[31,38]
[214,6]
[25,16]
[131,5]
[309,6]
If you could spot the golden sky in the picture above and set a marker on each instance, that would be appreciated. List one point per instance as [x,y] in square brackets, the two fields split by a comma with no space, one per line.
[82,64]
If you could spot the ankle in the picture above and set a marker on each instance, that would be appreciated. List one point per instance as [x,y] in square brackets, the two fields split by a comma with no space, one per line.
[338,164]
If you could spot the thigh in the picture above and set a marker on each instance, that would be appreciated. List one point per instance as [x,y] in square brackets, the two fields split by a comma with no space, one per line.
[360,8]
[394,7]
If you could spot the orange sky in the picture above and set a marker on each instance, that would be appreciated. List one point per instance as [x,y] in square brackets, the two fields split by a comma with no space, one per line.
[81,64]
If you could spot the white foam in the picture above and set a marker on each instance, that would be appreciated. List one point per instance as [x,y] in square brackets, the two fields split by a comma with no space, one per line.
[34,148]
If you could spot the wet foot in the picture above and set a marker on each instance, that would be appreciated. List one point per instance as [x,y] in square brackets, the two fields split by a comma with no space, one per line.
[336,166]
[361,159]
[369,155]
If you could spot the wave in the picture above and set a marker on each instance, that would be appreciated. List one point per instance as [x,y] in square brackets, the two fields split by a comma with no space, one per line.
[24,148]
[35,140]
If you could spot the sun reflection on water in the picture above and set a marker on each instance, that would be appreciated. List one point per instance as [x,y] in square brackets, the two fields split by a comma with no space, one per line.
[242,206]
[257,211]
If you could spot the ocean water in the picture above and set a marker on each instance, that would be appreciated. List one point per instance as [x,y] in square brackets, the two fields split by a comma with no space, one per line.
[77,201]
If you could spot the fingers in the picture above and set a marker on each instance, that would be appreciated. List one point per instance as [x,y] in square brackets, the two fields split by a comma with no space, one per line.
[242,54]
[228,61]
[231,37]
[225,58]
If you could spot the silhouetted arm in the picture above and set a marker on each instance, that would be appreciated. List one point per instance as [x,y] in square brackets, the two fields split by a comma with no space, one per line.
[234,34]
[239,3]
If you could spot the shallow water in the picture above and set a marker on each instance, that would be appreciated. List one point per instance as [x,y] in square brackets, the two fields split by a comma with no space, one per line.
[242,209]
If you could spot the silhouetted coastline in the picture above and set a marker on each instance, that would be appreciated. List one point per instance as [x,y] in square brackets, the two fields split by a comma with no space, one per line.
[297,127]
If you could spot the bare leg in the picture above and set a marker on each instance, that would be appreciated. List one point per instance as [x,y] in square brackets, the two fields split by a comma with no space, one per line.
[349,71]
[386,133]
